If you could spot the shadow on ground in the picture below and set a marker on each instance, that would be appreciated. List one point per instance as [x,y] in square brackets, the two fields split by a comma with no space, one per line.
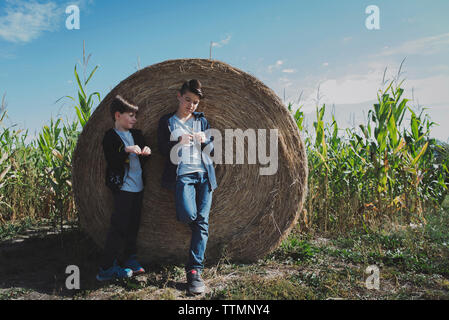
[38,263]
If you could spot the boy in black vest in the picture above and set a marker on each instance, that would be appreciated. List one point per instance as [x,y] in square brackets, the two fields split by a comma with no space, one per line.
[125,152]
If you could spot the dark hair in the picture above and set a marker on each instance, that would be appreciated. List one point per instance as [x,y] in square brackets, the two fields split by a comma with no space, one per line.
[121,105]
[193,86]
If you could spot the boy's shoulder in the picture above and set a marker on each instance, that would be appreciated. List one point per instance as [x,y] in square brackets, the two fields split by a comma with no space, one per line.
[110,137]
[167,116]
[135,130]
[198,116]
[109,133]
[112,132]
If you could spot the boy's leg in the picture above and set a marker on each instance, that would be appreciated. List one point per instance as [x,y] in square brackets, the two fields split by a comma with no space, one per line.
[133,224]
[117,230]
[200,226]
[185,198]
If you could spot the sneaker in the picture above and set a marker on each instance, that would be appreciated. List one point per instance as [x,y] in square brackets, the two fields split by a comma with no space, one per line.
[195,283]
[134,265]
[114,272]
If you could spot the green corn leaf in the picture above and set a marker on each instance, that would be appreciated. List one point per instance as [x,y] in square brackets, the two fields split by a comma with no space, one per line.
[80,116]
[82,101]
[389,86]
[392,129]
[323,160]
[401,111]
[398,93]
[424,148]
[400,146]
[91,74]
[414,127]
[79,83]
[66,97]
[365,131]
[3,116]
[89,101]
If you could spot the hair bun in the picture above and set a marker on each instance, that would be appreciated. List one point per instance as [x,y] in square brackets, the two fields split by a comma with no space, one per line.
[193,86]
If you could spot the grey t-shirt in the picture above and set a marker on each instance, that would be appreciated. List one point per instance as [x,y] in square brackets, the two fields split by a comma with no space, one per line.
[132,181]
[191,153]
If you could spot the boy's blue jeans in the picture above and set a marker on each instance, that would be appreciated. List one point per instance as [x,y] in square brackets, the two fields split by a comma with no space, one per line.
[193,201]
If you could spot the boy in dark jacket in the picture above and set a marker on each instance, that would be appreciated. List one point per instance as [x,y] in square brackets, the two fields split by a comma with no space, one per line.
[192,177]
[125,152]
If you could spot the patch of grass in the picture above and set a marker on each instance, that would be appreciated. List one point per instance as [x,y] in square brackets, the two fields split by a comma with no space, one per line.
[167,294]
[422,249]
[10,230]
[13,293]
[294,250]
[257,288]
[347,255]
[445,203]
[437,228]
[161,276]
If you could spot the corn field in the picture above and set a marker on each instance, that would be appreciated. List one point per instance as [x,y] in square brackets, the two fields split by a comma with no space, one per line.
[386,170]
[35,178]
[383,172]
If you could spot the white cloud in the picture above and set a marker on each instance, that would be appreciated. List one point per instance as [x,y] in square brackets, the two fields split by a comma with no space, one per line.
[285,82]
[26,21]
[221,43]
[289,70]
[349,89]
[275,66]
[423,46]
[362,88]
[431,91]
[354,88]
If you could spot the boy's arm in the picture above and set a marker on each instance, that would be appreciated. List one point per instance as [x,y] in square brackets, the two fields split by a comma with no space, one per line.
[163,138]
[208,139]
[113,153]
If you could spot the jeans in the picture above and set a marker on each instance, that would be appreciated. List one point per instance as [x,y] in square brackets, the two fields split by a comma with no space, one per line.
[125,221]
[193,201]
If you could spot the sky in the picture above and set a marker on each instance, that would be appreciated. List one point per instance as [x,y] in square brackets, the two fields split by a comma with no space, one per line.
[308,52]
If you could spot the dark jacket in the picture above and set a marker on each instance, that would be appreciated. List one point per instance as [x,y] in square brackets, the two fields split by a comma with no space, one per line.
[117,158]
[165,145]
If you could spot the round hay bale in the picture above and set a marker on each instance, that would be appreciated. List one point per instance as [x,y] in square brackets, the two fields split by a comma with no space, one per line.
[251,213]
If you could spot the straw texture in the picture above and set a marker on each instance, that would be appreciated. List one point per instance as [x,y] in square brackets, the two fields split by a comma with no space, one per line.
[250,214]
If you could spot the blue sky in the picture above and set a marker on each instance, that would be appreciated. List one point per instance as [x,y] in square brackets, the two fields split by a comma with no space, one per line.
[293,46]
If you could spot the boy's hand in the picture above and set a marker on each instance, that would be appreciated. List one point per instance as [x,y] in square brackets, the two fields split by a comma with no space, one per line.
[146,151]
[200,137]
[185,138]
[133,149]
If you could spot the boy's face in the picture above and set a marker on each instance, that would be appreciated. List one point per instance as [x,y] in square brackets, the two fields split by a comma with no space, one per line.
[125,120]
[188,102]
